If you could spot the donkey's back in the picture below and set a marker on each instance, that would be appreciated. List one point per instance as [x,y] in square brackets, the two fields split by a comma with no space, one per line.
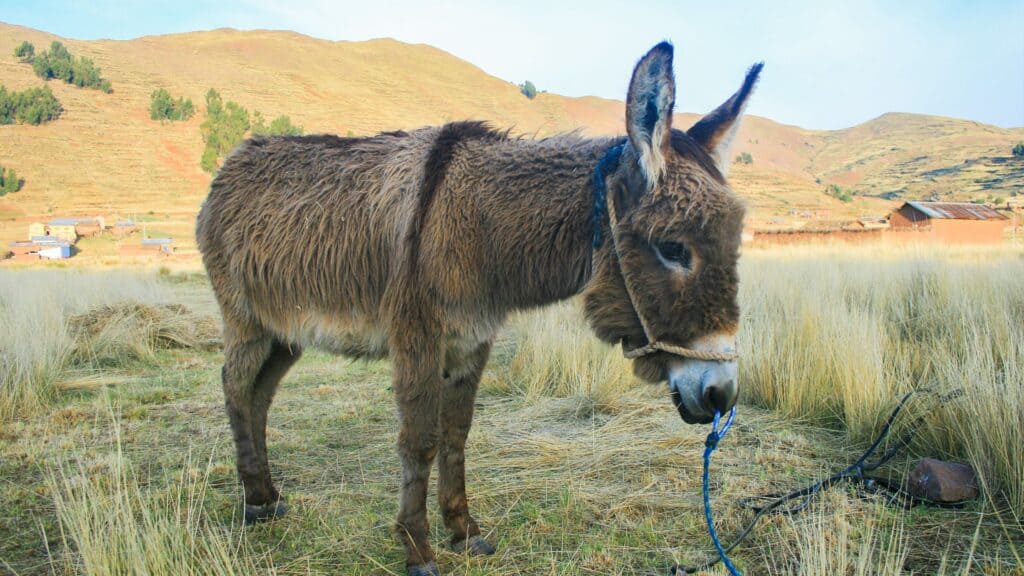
[299,234]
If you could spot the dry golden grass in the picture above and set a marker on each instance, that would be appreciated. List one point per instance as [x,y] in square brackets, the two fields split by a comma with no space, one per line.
[109,525]
[62,326]
[836,336]
[574,467]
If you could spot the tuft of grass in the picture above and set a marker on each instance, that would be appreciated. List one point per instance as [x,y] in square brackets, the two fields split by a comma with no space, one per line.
[835,336]
[58,324]
[110,524]
[552,353]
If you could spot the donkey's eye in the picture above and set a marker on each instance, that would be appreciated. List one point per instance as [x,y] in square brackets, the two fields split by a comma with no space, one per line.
[675,253]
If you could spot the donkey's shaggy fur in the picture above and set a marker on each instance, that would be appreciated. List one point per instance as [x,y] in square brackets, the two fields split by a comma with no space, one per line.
[416,245]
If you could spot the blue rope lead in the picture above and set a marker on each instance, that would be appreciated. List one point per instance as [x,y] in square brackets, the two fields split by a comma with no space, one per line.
[710,444]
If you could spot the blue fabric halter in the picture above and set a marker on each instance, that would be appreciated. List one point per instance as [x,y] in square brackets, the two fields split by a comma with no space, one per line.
[609,162]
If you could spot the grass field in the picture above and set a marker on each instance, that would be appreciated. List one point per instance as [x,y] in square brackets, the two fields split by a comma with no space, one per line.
[115,456]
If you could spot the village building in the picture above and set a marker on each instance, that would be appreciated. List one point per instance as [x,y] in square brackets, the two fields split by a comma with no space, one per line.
[67,229]
[950,222]
[40,248]
[63,228]
[124,228]
[157,247]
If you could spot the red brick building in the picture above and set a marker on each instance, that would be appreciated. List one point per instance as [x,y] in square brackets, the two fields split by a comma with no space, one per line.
[951,222]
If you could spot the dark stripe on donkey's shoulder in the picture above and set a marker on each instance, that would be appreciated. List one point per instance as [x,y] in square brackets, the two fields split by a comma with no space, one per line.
[438,160]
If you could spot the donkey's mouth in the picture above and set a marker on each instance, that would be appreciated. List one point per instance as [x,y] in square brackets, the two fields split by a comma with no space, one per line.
[701,387]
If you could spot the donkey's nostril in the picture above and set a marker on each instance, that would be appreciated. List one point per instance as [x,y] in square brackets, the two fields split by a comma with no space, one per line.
[720,396]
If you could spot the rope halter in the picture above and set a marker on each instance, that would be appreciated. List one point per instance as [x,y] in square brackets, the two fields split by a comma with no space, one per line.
[602,199]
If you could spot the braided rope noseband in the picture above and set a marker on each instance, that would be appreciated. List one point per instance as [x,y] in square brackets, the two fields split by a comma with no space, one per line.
[602,201]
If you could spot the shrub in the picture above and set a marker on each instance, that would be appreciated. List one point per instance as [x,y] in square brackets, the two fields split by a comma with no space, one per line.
[838,193]
[280,126]
[227,124]
[25,51]
[1018,150]
[224,128]
[744,158]
[162,106]
[32,106]
[528,89]
[58,63]
[11,183]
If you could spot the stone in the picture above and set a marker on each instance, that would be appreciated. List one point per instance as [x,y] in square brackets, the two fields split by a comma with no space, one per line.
[947,482]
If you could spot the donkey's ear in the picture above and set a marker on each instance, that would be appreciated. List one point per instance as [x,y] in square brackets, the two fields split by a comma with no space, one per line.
[715,131]
[652,94]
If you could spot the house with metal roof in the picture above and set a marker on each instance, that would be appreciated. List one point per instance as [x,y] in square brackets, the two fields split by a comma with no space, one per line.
[951,222]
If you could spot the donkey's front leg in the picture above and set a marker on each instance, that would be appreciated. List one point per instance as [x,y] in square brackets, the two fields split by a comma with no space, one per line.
[456,418]
[417,385]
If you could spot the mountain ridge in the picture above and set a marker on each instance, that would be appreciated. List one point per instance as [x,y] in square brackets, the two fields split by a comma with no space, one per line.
[114,159]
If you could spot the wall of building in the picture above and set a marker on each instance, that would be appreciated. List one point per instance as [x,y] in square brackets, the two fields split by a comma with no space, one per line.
[908,217]
[64,232]
[941,231]
[968,231]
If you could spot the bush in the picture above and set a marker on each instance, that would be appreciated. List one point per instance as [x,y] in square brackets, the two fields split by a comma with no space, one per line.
[528,89]
[1018,150]
[744,158]
[838,193]
[227,124]
[164,107]
[224,128]
[280,126]
[9,182]
[25,51]
[32,106]
[58,63]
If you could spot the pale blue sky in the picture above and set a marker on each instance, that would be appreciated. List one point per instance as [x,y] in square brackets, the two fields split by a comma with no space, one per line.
[829,64]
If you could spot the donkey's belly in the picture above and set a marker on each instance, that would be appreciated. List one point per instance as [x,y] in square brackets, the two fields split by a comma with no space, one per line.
[349,336]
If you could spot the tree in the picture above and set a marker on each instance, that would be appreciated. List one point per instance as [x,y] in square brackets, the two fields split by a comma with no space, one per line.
[32,106]
[164,107]
[25,51]
[1018,150]
[224,128]
[528,89]
[280,126]
[11,182]
[58,63]
[745,158]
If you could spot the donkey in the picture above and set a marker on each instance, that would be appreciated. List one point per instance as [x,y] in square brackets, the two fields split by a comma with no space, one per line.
[416,245]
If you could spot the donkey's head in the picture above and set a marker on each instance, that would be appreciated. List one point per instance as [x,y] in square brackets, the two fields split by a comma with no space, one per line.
[676,228]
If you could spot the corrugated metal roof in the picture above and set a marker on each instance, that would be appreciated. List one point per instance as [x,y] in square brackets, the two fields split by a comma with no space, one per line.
[156,241]
[956,210]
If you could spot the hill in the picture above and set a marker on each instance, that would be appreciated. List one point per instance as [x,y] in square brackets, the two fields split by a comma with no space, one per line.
[104,154]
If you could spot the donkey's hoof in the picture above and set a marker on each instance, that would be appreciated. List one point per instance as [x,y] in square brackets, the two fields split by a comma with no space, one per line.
[262,512]
[428,569]
[475,545]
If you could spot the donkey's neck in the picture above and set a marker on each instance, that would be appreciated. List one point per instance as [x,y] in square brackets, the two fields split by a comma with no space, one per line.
[536,206]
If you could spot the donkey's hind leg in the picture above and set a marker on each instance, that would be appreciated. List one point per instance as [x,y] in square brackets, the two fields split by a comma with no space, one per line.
[281,358]
[245,355]
[456,418]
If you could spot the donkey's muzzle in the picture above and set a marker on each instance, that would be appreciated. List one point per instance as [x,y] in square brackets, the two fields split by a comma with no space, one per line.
[700,387]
